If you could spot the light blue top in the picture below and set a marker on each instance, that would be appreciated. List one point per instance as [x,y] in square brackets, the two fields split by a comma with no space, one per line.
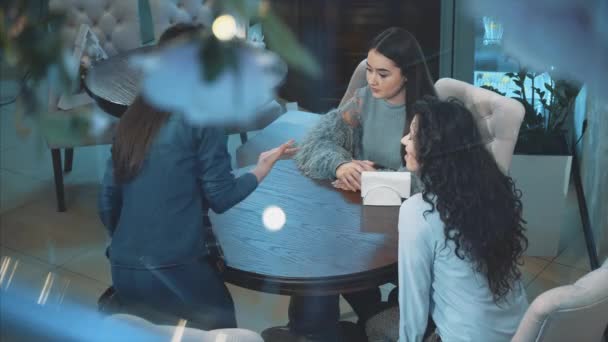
[433,280]
[383,126]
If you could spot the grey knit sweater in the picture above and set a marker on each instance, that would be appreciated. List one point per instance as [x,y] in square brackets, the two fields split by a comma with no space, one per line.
[363,128]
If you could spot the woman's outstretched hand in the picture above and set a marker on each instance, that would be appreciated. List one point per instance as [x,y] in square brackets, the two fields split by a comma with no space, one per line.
[349,174]
[267,159]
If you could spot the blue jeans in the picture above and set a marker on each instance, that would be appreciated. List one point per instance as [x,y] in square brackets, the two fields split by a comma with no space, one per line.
[194,291]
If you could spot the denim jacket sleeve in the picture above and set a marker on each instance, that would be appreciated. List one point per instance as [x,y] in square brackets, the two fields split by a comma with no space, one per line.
[110,199]
[221,189]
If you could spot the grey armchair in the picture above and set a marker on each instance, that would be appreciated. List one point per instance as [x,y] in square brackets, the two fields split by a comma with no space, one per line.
[577,312]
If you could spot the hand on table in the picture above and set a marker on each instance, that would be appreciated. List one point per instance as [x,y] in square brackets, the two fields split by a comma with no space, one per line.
[349,174]
[267,159]
[339,185]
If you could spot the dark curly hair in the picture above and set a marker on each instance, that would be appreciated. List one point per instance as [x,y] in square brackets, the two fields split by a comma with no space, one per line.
[479,205]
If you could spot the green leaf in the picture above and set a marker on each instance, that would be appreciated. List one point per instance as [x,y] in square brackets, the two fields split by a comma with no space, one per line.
[283,42]
[489,87]
[517,92]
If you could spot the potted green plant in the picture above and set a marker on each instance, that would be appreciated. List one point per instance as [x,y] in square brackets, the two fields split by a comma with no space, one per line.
[542,160]
[543,132]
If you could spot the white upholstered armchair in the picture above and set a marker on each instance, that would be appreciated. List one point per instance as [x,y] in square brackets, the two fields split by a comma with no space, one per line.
[577,312]
[498,115]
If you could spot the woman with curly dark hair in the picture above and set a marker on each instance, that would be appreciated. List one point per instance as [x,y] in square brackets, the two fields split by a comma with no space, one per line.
[460,240]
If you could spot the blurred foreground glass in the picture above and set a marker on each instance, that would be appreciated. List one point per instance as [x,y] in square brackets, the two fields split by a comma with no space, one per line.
[33,46]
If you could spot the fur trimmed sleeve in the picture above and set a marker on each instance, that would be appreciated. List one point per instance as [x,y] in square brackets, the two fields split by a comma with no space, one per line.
[330,143]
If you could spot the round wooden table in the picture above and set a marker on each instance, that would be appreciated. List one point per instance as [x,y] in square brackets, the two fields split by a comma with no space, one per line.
[330,243]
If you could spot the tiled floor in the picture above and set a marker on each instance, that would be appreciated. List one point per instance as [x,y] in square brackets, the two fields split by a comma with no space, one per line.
[64,252]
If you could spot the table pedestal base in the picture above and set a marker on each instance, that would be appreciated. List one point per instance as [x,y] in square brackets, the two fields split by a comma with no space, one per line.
[344,332]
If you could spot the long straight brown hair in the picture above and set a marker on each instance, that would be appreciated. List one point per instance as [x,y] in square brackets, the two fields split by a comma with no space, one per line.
[141,122]
[135,133]
[403,49]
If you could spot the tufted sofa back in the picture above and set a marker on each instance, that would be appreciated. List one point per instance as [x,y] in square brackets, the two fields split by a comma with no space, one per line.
[117,24]
[166,13]
[499,115]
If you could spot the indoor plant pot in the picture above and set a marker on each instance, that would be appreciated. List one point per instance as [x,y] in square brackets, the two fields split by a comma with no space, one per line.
[542,159]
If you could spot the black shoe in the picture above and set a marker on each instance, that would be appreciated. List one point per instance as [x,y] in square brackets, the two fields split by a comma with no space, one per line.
[108,303]
[393,296]
[352,332]
[282,334]
[285,334]
[344,332]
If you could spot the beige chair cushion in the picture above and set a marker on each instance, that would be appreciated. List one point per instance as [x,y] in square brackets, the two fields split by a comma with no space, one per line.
[577,312]
[497,115]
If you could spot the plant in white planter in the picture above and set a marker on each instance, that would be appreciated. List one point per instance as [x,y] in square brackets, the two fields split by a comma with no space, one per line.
[542,161]
[543,132]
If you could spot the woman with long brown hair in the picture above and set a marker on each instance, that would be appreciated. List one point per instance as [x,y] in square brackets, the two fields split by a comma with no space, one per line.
[162,176]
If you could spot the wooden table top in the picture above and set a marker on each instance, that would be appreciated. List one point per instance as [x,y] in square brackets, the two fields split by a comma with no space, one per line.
[114,83]
[330,242]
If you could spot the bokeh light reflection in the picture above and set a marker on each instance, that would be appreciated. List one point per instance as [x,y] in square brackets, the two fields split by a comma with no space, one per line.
[273,218]
[224,27]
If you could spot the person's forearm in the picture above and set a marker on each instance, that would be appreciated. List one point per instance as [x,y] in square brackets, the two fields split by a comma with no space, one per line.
[227,197]
[260,173]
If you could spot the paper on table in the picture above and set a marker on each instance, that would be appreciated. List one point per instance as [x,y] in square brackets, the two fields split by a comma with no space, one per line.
[385,188]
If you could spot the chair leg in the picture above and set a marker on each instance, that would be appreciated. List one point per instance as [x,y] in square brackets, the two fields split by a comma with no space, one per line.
[69,157]
[243,137]
[58,172]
